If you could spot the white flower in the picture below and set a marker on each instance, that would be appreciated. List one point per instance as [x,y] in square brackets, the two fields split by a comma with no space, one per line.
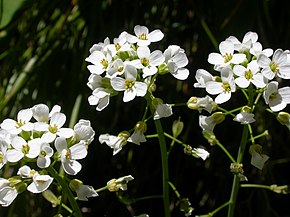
[7,193]
[100,98]
[117,68]
[120,183]
[119,44]
[148,61]
[101,62]
[23,148]
[206,123]
[85,191]
[249,39]
[129,85]
[114,142]
[224,88]
[83,131]
[101,46]
[54,128]
[23,122]
[257,50]
[138,134]
[226,56]
[70,155]
[200,152]
[176,59]
[162,111]
[202,103]
[41,112]
[26,172]
[276,98]
[46,152]
[277,66]
[249,75]
[39,183]
[143,37]
[202,77]
[245,117]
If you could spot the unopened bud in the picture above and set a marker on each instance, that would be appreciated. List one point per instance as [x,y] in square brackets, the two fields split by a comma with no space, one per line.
[75,184]
[283,118]
[246,109]
[210,137]
[141,126]
[218,117]
[284,189]
[177,127]
[50,196]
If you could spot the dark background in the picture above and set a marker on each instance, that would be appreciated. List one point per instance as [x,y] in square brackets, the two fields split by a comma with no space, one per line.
[57,35]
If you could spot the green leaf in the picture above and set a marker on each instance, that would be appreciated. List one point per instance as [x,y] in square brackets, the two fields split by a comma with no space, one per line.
[8,8]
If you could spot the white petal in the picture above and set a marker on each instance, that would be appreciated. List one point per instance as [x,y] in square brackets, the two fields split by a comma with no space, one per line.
[226,47]
[43,162]
[58,119]
[78,151]
[118,83]
[156,58]
[215,59]
[129,94]
[155,35]
[14,155]
[263,61]
[143,52]
[181,74]
[65,132]
[24,115]
[60,144]
[223,97]
[242,82]
[18,142]
[213,87]
[149,70]
[41,112]
[141,88]
[71,167]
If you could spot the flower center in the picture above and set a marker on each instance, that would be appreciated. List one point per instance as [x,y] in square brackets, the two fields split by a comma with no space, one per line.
[68,154]
[43,153]
[20,123]
[145,62]
[143,36]
[273,96]
[120,68]
[129,84]
[117,46]
[248,74]
[52,129]
[274,67]
[227,57]
[226,86]
[25,149]
[105,63]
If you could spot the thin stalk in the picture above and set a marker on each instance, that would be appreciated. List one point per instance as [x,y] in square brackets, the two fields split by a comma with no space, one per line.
[225,151]
[236,181]
[165,173]
[209,33]
[65,188]
[255,186]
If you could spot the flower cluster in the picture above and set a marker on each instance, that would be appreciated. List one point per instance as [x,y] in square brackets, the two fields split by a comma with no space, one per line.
[39,136]
[128,65]
[243,66]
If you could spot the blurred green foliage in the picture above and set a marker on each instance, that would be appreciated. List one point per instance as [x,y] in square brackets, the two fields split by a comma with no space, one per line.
[43,45]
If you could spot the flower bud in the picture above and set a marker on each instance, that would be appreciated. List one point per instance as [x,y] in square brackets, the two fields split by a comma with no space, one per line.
[283,118]
[210,137]
[177,127]
[284,189]
[218,117]
[50,196]
[163,69]
[75,184]
[141,126]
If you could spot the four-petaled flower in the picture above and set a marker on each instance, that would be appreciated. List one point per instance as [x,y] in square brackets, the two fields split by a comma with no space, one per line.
[129,85]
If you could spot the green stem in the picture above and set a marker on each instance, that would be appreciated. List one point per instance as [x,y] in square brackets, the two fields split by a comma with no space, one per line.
[219,208]
[255,186]
[65,188]
[225,151]
[164,159]
[236,181]
[209,33]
